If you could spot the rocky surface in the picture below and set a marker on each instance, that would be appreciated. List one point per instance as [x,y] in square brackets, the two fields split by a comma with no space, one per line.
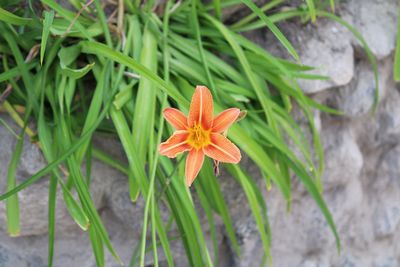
[361,178]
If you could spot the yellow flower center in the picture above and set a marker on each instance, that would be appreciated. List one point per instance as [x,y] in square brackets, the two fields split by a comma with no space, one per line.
[198,137]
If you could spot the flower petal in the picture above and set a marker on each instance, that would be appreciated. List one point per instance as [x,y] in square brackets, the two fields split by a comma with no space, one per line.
[222,149]
[194,161]
[225,119]
[201,108]
[176,118]
[176,144]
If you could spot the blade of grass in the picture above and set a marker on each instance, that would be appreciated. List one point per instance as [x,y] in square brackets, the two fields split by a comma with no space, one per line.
[313,190]
[259,156]
[197,33]
[253,15]
[95,107]
[217,8]
[109,160]
[311,9]
[52,218]
[247,69]
[143,126]
[275,18]
[210,185]
[332,4]
[103,21]
[12,204]
[187,219]
[396,67]
[74,209]
[9,17]
[210,218]
[156,155]
[143,119]
[97,245]
[60,159]
[278,34]
[138,170]
[255,208]
[76,73]
[48,20]
[70,17]
[84,194]
[100,49]
[14,72]
[25,74]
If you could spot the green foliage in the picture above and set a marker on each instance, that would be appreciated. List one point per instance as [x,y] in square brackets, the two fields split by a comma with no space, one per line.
[396,68]
[105,79]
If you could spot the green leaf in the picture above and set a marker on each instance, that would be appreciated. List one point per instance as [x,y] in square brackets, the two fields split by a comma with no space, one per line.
[70,17]
[48,20]
[13,19]
[74,209]
[95,107]
[77,73]
[396,68]
[58,160]
[251,16]
[253,203]
[12,204]
[101,49]
[209,214]
[196,28]
[311,8]
[139,173]
[332,3]
[143,118]
[211,187]
[260,157]
[278,34]
[217,8]
[313,190]
[264,100]
[52,218]
[97,245]
[15,72]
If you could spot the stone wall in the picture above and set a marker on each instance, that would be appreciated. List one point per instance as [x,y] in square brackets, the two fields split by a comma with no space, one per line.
[361,179]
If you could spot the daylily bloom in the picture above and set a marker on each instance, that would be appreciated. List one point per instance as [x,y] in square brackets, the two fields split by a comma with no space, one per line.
[200,133]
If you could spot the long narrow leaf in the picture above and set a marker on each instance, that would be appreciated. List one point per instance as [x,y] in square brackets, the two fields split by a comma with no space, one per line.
[278,34]
[48,20]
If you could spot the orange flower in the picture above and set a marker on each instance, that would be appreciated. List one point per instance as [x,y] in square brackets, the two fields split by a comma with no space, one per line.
[200,133]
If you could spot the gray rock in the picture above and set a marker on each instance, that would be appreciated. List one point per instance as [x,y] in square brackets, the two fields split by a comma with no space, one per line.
[324,45]
[386,189]
[310,262]
[387,175]
[327,47]
[357,98]
[341,149]
[10,258]
[381,130]
[389,262]
[386,220]
[349,260]
[33,200]
[376,22]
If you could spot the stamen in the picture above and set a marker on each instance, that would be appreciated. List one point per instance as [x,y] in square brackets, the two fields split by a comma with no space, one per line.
[198,137]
